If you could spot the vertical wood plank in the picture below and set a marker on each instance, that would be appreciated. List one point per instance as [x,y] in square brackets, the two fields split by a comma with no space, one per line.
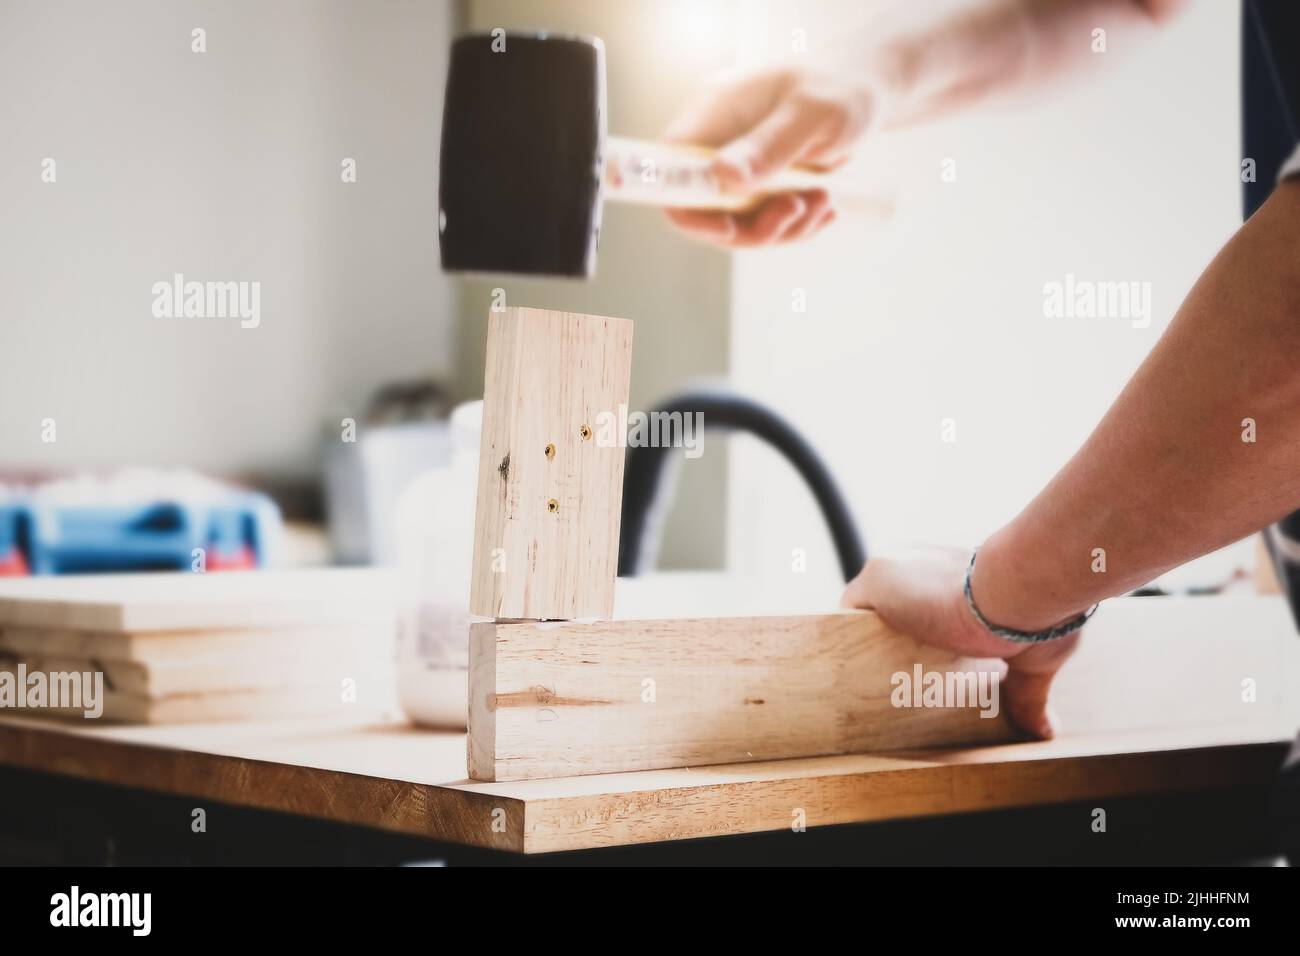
[551,465]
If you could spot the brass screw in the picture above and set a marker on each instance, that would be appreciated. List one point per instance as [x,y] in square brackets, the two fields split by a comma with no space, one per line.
[585,432]
[552,506]
[550,452]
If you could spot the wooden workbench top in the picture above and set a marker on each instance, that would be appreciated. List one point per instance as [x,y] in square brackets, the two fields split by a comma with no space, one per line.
[1153,703]
[395,777]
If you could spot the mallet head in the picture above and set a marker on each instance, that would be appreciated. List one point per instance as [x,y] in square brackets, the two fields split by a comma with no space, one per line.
[523,131]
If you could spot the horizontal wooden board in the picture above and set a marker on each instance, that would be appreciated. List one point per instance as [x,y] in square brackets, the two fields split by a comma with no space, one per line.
[558,699]
[180,601]
[124,695]
[201,674]
[184,648]
[232,705]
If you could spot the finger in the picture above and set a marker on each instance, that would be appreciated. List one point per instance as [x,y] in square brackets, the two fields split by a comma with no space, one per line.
[824,162]
[828,217]
[767,223]
[728,108]
[718,227]
[857,593]
[1025,696]
[817,202]
[772,144]
[880,588]
[1029,680]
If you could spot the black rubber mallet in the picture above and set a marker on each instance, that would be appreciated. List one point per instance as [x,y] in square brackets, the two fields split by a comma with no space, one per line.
[526,163]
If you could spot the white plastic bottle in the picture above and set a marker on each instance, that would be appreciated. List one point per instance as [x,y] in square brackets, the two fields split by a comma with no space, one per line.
[435,541]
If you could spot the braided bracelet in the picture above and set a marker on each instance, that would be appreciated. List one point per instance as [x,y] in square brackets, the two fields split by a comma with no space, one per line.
[1023,637]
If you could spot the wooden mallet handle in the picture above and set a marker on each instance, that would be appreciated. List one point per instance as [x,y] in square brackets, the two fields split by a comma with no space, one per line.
[662,174]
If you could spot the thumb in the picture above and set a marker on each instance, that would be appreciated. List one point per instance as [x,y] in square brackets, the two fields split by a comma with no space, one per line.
[773,143]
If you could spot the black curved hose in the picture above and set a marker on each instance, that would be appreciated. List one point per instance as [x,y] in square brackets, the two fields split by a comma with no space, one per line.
[644,470]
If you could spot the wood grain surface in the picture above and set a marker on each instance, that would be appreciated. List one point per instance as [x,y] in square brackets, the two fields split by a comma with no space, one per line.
[397,778]
[551,467]
[172,601]
[557,699]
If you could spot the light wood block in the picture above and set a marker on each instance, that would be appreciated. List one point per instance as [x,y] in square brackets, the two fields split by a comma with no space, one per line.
[161,649]
[179,601]
[550,478]
[201,674]
[174,689]
[559,699]
[231,705]
[186,676]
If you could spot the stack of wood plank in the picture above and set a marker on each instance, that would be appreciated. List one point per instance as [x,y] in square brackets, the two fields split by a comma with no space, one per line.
[180,648]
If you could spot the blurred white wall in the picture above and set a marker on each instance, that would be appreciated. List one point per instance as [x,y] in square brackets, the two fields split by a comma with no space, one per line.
[223,165]
[1129,173]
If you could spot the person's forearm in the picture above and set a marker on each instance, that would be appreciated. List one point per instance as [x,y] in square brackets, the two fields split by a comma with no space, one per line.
[932,59]
[1169,474]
